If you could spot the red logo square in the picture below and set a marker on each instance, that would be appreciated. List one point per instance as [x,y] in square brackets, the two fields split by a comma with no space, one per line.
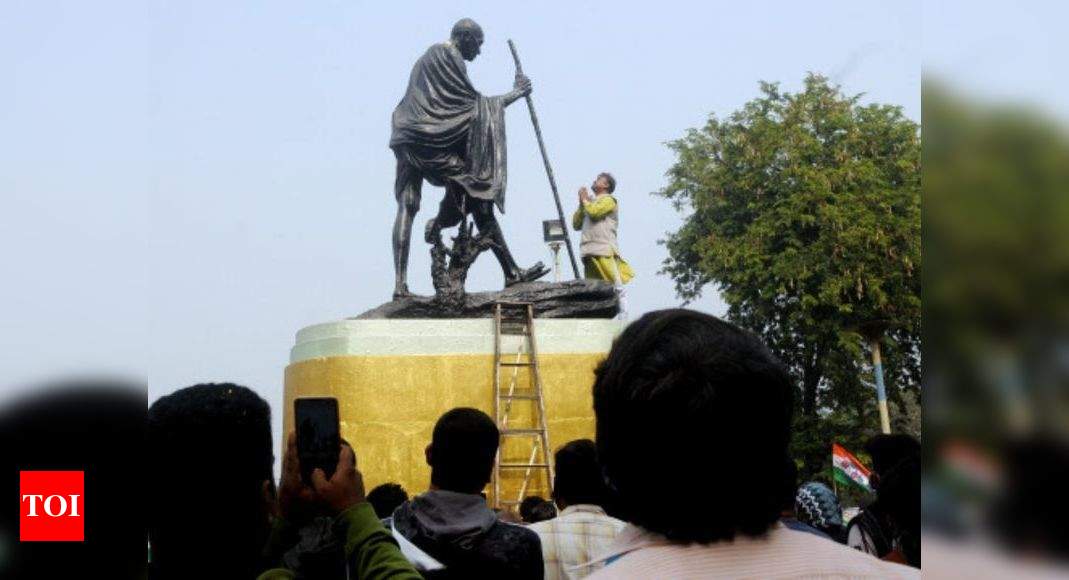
[52,506]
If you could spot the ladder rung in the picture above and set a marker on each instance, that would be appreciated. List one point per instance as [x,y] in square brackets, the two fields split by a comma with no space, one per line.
[523,465]
[512,431]
[525,397]
[515,364]
[508,304]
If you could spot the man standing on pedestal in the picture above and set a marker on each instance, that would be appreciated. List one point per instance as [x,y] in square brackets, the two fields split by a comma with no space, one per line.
[444,131]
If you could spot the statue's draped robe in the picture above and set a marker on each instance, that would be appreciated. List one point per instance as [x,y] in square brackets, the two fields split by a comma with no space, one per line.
[449,131]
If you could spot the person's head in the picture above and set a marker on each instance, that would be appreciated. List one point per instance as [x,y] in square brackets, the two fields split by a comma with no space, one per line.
[887,451]
[468,38]
[900,497]
[545,510]
[462,449]
[577,478]
[532,509]
[687,401]
[604,182]
[210,476]
[385,498]
[818,506]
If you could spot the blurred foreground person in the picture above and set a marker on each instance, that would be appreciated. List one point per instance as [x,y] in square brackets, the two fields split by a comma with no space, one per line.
[94,427]
[679,381]
[452,531]
[583,530]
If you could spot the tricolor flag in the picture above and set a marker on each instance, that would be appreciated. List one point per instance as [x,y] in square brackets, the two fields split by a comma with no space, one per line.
[847,468]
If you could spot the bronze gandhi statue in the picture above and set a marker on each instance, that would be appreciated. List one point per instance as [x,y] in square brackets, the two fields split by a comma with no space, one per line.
[446,132]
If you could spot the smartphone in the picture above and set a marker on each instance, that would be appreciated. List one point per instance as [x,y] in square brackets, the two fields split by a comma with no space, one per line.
[318,439]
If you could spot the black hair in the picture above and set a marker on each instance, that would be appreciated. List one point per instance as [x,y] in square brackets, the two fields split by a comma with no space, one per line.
[612,180]
[687,401]
[577,478]
[528,505]
[544,510]
[463,446]
[889,450]
[209,456]
[899,495]
[385,498]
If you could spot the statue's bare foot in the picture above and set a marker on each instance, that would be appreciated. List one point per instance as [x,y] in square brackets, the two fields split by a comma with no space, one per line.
[529,275]
[401,291]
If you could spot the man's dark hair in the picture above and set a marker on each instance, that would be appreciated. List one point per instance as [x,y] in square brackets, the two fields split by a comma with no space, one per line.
[462,451]
[687,401]
[528,505]
[544,510]
[385,498]
[612,180]
[577,478]
[209,454]
[889,450]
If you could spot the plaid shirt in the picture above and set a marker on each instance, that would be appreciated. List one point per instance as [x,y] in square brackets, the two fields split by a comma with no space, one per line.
[578,535]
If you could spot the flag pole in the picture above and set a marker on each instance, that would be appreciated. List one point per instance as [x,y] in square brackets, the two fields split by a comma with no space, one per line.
[834,487]
[545,161]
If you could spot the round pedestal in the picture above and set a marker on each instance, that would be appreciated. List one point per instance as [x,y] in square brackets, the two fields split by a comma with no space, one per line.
[394,378]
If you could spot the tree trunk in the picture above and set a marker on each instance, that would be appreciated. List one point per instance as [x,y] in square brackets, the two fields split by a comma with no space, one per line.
[810,380]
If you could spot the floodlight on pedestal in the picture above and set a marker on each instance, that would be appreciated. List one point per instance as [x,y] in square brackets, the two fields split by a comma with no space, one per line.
[555,235]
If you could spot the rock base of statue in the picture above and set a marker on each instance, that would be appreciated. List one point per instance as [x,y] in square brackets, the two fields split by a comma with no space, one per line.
[573,299]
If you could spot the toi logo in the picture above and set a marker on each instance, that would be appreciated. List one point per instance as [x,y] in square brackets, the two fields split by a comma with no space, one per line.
[52,506]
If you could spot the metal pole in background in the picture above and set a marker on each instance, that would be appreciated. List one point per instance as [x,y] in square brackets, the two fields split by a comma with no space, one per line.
[545,160]
[881,392]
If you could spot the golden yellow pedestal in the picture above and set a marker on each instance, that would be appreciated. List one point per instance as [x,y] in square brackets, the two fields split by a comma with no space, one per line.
[394,378]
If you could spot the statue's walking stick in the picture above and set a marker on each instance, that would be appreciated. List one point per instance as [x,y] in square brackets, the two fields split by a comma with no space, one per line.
[545,160]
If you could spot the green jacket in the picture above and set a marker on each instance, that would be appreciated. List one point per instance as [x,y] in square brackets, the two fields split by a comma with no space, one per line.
[370,550]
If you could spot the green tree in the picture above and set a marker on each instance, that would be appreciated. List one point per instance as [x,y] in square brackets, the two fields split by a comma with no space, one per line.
[804,211]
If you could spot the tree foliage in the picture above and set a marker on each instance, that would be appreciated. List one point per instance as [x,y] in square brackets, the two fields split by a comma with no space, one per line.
[803,210]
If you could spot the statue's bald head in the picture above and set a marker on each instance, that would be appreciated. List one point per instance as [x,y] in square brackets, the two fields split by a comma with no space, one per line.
[466,26]
[467,35]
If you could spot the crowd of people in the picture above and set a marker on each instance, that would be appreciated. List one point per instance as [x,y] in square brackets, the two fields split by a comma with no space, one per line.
[689,476]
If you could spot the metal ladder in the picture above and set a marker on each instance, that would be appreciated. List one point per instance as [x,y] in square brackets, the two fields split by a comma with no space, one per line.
[517,319]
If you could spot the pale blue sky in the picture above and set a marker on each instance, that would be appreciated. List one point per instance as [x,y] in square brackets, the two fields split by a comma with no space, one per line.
[192,182]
